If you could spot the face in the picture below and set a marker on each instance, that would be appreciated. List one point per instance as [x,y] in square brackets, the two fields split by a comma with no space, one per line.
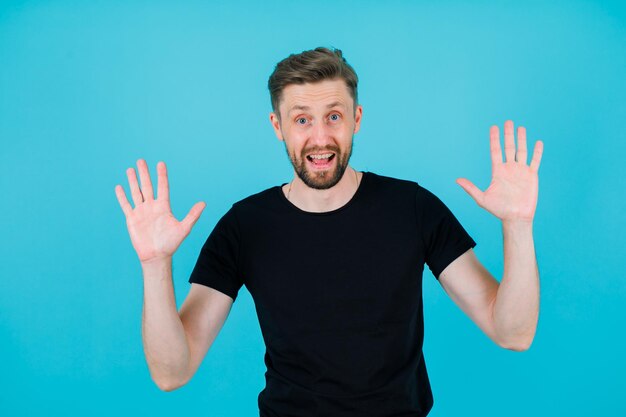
[317,124]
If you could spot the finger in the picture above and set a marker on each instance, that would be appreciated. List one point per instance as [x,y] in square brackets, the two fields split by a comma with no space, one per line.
[121,198]
[471,189]
[509,142]
[494,143]
[521,145]
[534,163]
[134,186]
[163,188]
[146,183]
[194,214]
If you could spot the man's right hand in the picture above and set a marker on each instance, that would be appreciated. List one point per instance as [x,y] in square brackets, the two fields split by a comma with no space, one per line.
[154,231]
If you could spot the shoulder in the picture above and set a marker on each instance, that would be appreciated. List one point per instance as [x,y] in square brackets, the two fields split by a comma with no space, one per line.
[394,196]
[417,190]
[405,189]
[260,198]
[390,183]
[246,211]
[262,203]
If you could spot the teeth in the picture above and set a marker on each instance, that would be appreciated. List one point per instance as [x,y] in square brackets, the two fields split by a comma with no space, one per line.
[325,156]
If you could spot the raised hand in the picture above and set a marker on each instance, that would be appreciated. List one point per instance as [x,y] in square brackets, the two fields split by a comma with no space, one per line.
[512,194]
[154,231]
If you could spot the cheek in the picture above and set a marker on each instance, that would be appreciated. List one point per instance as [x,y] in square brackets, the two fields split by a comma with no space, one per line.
[296,139]
[293,144]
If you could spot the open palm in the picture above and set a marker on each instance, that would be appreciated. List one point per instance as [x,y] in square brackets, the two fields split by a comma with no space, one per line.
[153,229]
[512,194]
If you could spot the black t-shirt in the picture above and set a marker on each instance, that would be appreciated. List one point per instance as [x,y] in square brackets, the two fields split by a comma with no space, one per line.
[338,294]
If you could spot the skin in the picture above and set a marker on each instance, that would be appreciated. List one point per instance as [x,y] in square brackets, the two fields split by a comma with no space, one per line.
[328,122]
[176,342]
[508,311]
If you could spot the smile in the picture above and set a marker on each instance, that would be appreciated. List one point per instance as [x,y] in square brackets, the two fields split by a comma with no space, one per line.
[321,159]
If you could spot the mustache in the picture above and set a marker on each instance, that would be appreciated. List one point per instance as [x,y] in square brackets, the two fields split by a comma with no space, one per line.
[319,149]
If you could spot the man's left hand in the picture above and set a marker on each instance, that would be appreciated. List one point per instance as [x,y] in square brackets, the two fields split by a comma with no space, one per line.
[512,194]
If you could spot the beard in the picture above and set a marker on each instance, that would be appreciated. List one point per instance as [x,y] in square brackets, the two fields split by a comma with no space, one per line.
[320,180]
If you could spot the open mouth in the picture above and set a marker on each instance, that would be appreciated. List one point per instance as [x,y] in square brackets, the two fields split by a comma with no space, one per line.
[322,159]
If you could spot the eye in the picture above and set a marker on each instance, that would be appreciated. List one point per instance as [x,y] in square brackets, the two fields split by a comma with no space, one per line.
[301,120]
[334,117]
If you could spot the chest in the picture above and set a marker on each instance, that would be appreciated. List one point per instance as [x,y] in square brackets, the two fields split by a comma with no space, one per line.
[329,273]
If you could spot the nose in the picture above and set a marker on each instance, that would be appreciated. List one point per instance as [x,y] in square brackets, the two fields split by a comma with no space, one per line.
[320,134]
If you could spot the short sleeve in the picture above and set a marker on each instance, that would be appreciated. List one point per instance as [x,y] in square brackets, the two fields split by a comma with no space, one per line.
[443,236]
[217,264]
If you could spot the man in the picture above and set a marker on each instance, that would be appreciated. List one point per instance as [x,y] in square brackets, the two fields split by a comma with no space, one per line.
[334,260]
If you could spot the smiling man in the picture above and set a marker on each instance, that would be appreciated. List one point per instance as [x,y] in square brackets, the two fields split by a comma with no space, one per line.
[333,260]
[319,162]
[317,125]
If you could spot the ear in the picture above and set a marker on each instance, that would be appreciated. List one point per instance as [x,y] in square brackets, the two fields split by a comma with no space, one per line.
[357,118]
[276,125]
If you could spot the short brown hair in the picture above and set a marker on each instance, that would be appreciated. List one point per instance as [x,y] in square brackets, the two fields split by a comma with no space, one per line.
[309,67]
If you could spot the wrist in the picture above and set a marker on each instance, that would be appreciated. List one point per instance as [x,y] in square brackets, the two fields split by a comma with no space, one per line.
[517,230]
[517,224]
[156,263]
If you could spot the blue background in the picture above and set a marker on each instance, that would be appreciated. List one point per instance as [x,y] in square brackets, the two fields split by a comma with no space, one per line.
[87,88]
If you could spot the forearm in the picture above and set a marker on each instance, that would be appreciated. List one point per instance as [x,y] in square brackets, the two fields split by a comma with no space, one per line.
[164,339]
[516,307]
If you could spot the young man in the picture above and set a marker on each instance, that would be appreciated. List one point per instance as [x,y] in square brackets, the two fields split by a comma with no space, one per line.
[334,260]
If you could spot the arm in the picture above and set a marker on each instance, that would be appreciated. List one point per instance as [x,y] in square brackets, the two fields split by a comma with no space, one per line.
[507,312]
[516,306]
[174,343]
[164,340]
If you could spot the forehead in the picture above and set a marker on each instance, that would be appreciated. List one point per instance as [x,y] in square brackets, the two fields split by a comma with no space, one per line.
[316,94]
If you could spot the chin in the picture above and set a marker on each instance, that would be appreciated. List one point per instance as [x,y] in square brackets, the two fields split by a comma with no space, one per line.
[321,180]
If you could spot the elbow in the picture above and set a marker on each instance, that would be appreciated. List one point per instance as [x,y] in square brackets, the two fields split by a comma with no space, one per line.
[167,380]
[518,345]
[517,341]
[169,385]
[522,347]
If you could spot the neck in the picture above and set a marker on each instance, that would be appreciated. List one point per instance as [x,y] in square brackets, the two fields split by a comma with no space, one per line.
[319,201]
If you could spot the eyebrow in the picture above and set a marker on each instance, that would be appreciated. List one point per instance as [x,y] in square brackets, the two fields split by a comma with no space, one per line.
[331,105]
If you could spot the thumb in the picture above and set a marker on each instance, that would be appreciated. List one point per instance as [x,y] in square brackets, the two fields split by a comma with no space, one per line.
[194,214]
[470,188]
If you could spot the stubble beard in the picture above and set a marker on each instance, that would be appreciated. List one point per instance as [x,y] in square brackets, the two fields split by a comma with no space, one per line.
[320,180]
